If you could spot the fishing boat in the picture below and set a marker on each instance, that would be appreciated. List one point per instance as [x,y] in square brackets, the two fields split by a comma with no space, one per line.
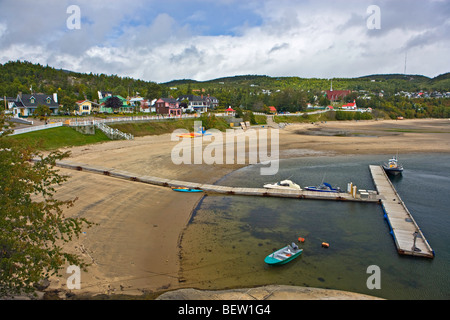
[283,185]
[284,255]
[324,187]
[182,189]
[393,167]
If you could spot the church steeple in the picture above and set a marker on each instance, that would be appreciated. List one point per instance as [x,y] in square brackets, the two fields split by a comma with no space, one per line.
[331,88]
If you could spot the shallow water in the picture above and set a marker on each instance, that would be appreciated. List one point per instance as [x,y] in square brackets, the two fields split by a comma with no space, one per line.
[225,244]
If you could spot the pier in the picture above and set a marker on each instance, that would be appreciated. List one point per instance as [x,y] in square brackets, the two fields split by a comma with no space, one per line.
[407,235]
[216,189]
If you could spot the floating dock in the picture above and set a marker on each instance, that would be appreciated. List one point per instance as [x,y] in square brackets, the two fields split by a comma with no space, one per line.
[407,235]
[210,188]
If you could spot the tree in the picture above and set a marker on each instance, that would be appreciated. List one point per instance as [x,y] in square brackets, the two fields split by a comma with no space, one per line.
[68,104]
[323,101]
[42,111]
[32,224]
[114,103]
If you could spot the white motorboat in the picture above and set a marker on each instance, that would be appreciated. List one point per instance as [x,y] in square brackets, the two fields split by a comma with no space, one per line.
[283,185]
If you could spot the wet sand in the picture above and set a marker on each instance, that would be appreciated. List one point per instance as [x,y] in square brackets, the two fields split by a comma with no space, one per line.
[134,248]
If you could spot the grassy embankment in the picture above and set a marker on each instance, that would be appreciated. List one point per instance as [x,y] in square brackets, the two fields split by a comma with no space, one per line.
[140,129]
[327,116]
[55,138]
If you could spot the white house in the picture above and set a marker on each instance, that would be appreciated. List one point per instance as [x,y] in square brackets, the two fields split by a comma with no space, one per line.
[198,103]
[350,106]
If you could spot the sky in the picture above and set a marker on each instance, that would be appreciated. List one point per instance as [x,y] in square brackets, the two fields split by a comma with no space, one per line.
[207,39]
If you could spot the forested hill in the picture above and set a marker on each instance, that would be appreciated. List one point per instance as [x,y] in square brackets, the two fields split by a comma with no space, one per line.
[374,83]
[252,92]
[21,76]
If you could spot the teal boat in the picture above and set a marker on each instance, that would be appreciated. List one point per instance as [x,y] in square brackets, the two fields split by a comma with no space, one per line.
[284,255]
[187,190]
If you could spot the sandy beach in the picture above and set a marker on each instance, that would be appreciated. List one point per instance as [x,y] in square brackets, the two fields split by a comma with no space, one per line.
[134,246]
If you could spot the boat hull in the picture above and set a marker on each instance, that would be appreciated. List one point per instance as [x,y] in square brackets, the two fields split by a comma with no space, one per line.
[272,260]
[283,185]
[393,171]
[269,186]
[324,187]
[320,190]
[187,190]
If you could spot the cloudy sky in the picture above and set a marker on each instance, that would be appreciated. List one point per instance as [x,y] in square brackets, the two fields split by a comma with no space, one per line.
[207,39]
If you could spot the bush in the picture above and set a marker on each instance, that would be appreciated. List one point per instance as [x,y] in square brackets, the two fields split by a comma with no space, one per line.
[347,115]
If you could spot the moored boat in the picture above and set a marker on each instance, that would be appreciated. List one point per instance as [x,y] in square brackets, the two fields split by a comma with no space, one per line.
[283,185]
[393,167]
[283,255]
[324,187]
[182,189]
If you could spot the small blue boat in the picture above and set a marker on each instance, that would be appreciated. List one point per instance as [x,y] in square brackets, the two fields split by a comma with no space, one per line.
[181,189]
[324,187]
[284,255]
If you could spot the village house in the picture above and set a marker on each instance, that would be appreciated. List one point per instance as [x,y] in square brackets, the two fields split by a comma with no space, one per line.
[168,106]
[350,106]
[26,104]
[273,110]
[148,106]
[195,103]
[334,95]
[84,107]
[126,107]
[8,104]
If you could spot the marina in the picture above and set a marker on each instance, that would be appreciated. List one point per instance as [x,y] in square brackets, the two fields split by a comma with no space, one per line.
[407,235]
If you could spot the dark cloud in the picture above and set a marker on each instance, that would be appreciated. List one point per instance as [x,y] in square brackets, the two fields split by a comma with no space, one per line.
[279,47]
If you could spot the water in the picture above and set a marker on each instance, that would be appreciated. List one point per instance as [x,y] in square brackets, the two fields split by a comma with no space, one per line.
[225,244]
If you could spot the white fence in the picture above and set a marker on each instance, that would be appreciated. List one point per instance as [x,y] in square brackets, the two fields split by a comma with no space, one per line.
[76,122]
[114,133]
[37,128]
[96,122]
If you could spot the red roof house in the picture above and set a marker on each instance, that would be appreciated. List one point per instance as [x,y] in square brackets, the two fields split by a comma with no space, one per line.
[334,95]
[350,106]
[272,109]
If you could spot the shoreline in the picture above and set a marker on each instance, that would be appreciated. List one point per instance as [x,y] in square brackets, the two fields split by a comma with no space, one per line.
[159,269]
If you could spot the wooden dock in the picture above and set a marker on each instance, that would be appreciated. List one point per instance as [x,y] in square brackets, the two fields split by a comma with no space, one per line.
[407,235]
[210,188]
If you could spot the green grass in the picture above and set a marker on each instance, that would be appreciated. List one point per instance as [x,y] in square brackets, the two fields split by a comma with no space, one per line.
[260,119]
[306,118]
[55,138]
[140,129]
